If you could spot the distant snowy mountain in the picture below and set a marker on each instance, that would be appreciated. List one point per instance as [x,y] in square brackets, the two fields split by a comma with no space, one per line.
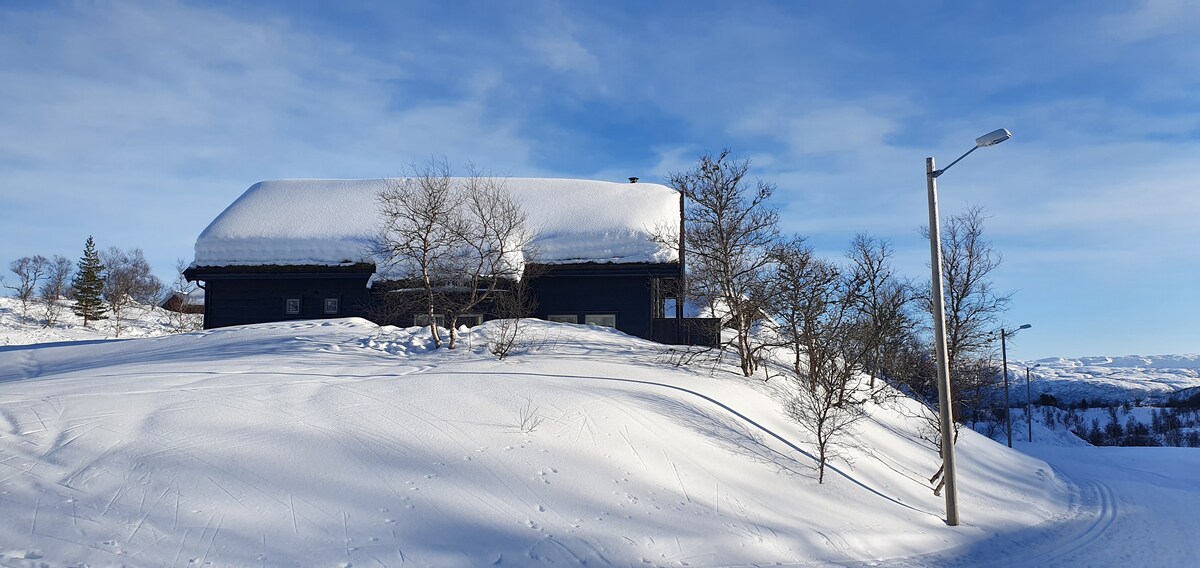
[1109,378]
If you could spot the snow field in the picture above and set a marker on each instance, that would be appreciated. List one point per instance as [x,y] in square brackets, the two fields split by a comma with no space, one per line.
[1108,378]
[341,443]
[139,321]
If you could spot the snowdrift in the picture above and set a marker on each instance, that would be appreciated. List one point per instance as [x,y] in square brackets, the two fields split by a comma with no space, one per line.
[340,443]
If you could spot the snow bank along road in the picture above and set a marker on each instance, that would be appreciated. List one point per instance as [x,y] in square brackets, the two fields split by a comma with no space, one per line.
[341,443]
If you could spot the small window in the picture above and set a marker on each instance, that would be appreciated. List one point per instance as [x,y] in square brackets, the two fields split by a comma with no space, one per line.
[423,320]
[563,318]
[332,306]
[470,320]
[669,305]
[602,320]
[291,306]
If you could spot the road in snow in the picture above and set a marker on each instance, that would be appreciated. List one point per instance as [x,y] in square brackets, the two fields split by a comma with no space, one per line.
[1129,507]
[1142,503]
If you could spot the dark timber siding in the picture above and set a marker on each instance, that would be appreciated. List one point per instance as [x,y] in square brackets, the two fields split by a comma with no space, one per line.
[625,290]
[238,296]
[239,299]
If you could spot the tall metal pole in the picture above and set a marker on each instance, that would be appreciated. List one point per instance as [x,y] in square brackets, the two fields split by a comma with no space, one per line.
[945,413]
[1028,405]
[1007,408]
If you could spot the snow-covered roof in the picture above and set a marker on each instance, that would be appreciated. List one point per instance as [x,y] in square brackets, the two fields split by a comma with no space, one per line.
[332,222]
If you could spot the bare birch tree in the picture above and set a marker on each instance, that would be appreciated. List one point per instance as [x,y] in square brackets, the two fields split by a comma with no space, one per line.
[802,289]
[973,306]
[883,299]
[128,281]
[828,328]
[729,230]
[972,311]
[55,288]
[453,245]
[416,238]
[490,242]
[29,271]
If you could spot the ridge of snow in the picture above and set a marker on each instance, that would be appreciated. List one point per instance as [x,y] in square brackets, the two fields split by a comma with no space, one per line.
[333,222]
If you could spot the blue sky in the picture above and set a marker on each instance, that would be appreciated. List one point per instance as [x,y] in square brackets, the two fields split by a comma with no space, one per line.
[138,122]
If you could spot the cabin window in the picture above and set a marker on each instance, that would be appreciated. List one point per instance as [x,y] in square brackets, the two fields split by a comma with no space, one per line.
[563,318]
[291,306]
[668,307]
[423,320]
[602,320]
[470,320]
[332,306]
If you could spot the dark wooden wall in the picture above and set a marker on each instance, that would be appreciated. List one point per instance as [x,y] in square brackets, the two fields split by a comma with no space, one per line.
[628,291]
[261,298]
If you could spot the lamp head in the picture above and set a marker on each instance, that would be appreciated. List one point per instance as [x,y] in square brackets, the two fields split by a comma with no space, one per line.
[1026,326]
[992,138]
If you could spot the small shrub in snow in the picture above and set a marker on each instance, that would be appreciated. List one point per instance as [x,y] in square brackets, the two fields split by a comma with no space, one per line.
[528,417]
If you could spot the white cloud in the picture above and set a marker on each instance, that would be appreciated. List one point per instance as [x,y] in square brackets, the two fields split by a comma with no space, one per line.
[554,38]
[140,121]
[1151,19]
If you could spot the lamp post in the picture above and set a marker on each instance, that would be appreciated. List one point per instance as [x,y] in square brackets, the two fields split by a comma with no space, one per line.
[945,414]
[1029,402]
[1004,354]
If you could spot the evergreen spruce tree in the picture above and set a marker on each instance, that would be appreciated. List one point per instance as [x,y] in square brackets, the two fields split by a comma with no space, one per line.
[89,285]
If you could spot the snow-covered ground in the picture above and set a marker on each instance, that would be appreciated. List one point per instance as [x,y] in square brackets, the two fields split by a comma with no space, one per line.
[340,443]
[1109,378]
[138,321]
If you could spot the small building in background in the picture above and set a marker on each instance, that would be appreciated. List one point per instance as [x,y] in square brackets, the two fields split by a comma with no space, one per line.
[184,302]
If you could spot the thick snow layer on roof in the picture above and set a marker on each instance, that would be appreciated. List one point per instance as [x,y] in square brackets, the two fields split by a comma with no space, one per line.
[330,222]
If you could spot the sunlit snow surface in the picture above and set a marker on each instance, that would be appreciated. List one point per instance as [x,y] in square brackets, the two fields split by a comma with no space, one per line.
[330,222]
[1109,378]
[343,443]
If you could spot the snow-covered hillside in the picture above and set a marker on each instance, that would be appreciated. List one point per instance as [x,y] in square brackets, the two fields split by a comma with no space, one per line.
[138,321]
[342,443]
[1109,378]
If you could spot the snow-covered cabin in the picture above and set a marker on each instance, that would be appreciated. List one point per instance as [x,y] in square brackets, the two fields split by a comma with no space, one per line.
[301,249]
[184,302]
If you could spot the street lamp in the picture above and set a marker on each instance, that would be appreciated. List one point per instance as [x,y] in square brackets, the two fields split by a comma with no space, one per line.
[1029,402]
[1004,354]
[946,416]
